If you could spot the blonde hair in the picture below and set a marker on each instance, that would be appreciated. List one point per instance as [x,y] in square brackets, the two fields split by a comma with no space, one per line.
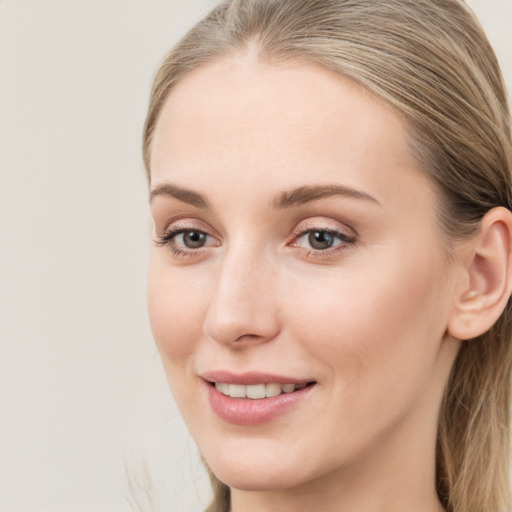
[431,61]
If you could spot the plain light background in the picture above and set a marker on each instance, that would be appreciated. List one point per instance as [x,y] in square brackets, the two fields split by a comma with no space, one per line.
[82,392]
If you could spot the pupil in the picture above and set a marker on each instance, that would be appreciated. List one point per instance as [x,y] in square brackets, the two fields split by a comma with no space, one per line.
[194,239]
[320,239]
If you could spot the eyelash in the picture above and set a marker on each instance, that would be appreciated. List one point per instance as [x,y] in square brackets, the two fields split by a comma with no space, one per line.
[167,239]
[345,240]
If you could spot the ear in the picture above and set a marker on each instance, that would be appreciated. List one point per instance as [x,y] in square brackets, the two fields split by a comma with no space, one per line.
[487,279]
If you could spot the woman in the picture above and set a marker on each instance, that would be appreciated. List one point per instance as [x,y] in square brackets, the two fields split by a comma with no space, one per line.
[329,284]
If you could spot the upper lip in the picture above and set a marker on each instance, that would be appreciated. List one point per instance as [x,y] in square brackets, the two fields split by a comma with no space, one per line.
[250,378]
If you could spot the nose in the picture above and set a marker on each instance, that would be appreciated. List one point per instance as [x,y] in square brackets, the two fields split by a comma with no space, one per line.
[244,306]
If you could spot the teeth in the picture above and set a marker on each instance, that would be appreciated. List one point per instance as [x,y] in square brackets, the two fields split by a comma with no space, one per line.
[288,388]
[272,390]
[256,391]
[223,388]
[237,391]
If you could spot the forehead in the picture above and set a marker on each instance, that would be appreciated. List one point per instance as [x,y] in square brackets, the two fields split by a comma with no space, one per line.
[278,126]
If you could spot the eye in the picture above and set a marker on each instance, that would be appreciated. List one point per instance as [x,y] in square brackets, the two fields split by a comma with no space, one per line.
[185,240]
[192,239]
[322,241]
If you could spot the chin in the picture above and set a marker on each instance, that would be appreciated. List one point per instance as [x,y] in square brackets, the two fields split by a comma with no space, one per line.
[257,481]
[265,475]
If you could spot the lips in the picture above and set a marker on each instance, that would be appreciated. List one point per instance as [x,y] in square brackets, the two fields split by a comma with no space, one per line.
[253,398]
[249,378]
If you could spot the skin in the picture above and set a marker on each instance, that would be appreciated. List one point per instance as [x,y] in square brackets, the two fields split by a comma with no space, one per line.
[366,319]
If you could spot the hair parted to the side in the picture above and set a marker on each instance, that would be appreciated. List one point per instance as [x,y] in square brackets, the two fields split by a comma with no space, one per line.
[431,61]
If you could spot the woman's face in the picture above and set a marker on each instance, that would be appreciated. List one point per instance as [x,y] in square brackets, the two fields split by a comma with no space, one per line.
[299,251]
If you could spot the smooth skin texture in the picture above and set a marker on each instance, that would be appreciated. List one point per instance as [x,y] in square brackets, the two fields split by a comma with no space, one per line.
[242,285]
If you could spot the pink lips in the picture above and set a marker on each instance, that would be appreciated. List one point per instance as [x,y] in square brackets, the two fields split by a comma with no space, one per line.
[247,411]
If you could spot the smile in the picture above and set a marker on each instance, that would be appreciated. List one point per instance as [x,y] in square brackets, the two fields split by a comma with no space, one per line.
[254,398]
[256,391]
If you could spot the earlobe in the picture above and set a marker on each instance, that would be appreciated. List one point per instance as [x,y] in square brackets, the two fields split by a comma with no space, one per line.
[488,277]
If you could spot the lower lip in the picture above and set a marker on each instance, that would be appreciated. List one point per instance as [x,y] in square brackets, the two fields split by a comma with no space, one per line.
[247,411]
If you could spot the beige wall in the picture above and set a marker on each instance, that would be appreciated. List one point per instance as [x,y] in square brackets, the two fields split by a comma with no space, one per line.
[81,387]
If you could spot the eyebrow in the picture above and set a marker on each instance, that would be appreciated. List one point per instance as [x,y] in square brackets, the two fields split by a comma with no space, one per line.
[288,199]
[181,194]
[307,194]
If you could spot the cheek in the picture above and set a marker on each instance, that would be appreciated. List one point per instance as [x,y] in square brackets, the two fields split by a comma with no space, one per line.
[175,312]
[377,332]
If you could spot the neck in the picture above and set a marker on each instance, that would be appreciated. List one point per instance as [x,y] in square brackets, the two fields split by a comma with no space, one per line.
[348,491]
[277,502]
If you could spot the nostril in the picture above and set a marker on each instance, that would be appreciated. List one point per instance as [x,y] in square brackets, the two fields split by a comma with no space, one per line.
[248,337]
